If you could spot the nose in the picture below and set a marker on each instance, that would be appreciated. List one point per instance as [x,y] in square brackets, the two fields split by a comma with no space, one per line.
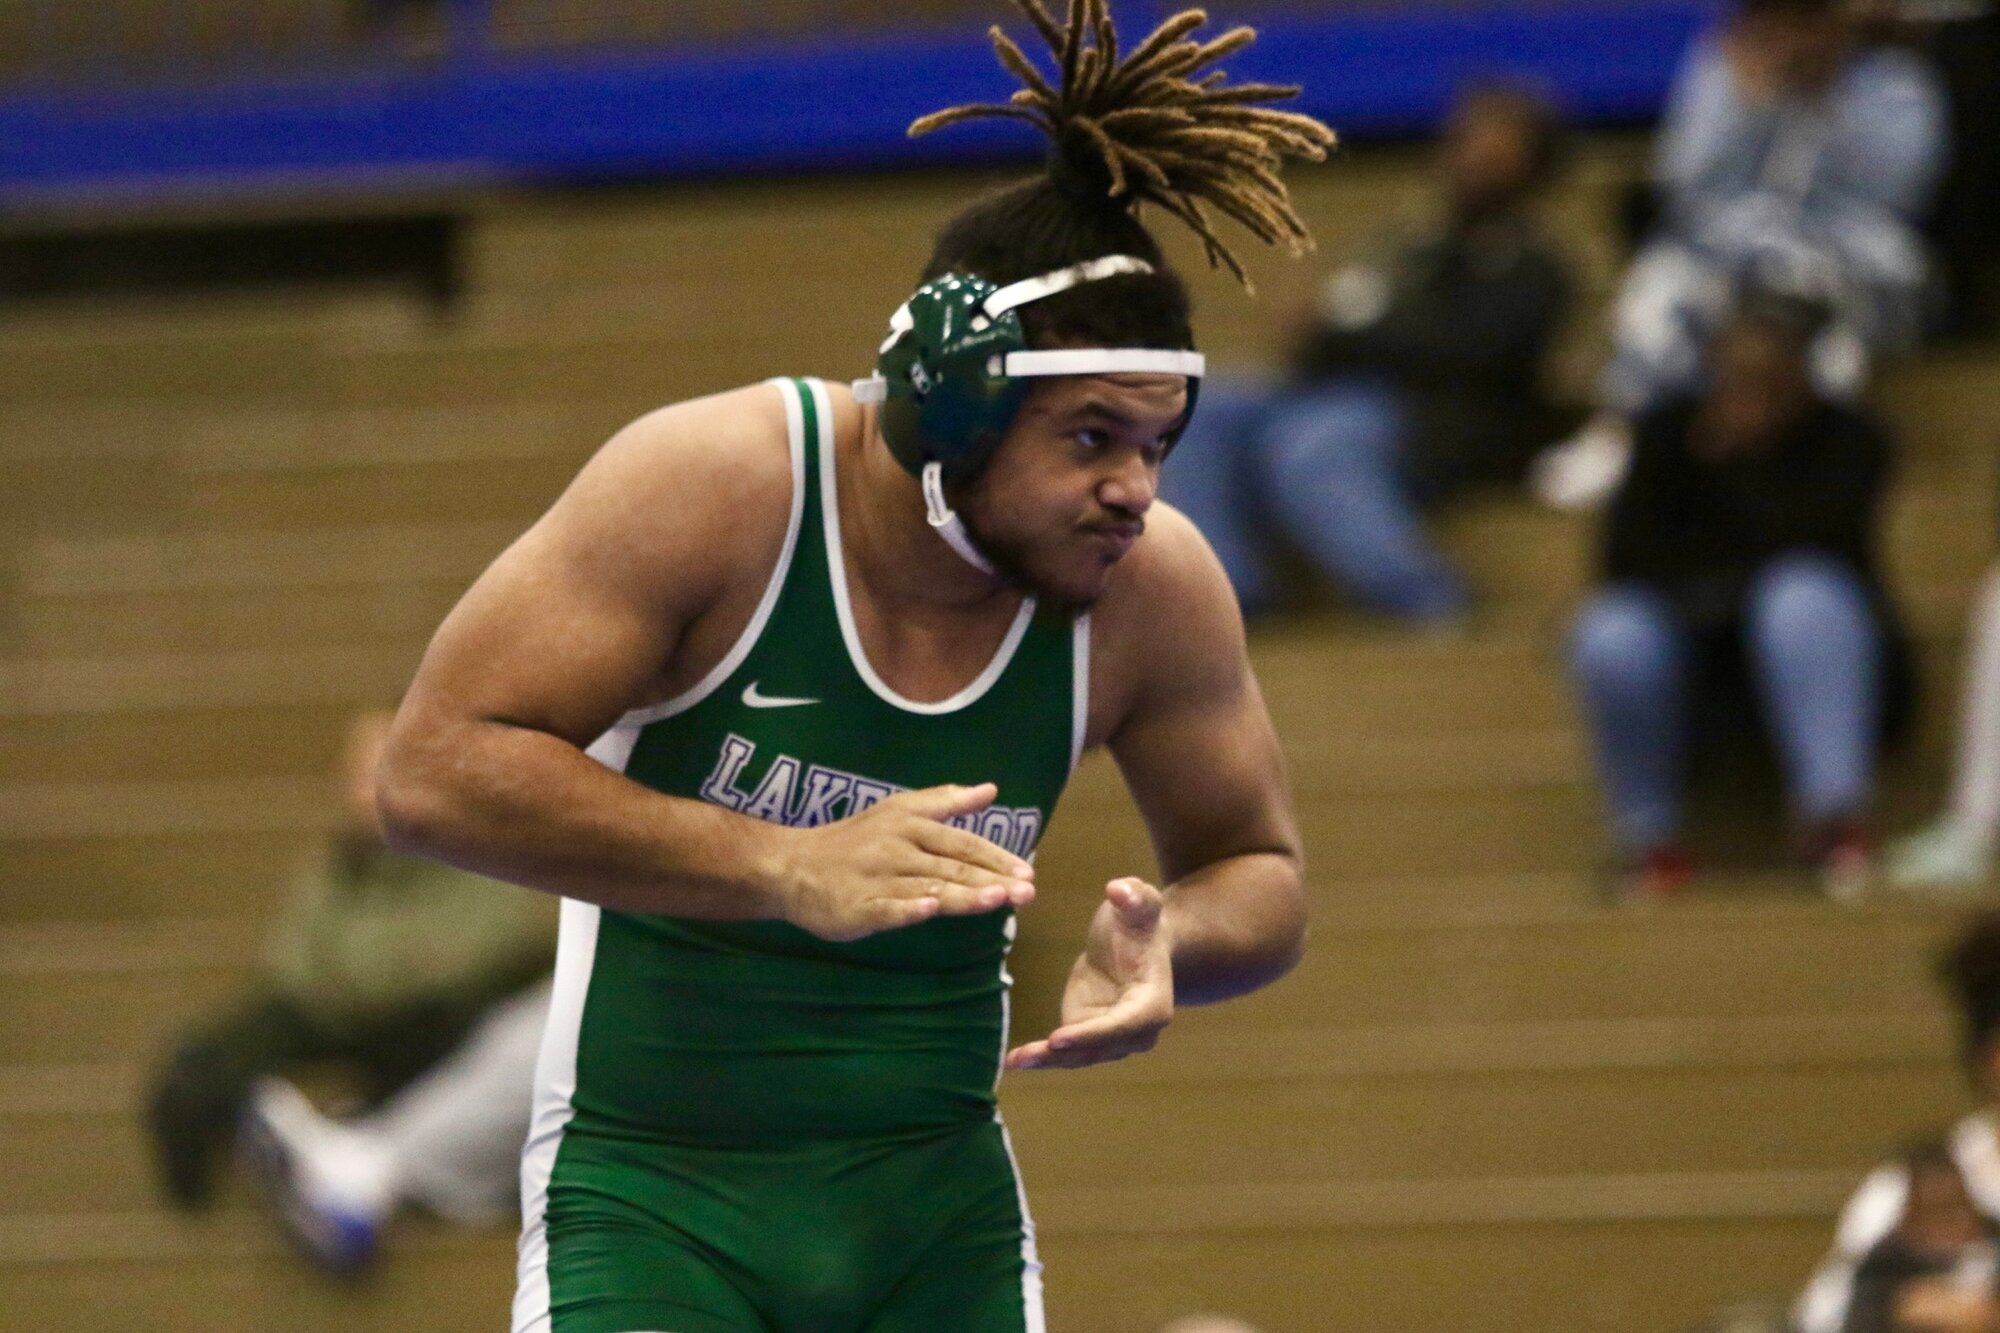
[1131,485]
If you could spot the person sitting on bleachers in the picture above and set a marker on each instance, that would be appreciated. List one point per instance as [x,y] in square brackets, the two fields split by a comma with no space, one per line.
[1418,378]
[1740,549]
[1789,153]
[379,963]
[1915,1248]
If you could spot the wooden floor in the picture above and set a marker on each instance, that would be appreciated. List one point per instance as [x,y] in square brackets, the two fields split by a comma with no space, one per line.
[1487,1101]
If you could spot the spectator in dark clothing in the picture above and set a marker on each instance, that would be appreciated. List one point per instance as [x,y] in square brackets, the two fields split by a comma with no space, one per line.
[1741,545]
[1416,379]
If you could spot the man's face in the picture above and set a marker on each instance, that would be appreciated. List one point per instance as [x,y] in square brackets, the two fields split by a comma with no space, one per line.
[1067,492]
[1487,154]
[1804,47]
[1758,387]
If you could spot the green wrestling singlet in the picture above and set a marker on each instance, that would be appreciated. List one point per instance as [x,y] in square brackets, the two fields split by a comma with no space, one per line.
[739,1126]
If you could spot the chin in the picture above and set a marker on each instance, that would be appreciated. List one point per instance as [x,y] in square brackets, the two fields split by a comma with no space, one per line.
[1066,590]
[1071,585]
[1074,589]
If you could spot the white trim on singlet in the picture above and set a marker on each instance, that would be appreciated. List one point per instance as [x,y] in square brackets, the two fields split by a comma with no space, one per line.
[836,564]
[1031,1260]
[576,949]
[1079,705]
[555,1092]
[710,683]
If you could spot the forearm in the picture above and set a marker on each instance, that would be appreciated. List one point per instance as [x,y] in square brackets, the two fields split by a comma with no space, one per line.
[526,806]
[1235,925]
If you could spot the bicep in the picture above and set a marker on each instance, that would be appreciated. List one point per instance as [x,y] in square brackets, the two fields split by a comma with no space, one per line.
[569,627]
[1197,749]
[536,642]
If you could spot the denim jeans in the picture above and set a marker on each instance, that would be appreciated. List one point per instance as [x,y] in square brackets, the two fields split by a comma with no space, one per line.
[1814,650]
[1321,465]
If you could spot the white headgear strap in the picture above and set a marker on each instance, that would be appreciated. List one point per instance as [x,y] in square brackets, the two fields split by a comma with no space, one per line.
[1023,365]
[947,522]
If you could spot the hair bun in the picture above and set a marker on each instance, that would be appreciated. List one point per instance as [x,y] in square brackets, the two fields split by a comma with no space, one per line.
[1079,173]
[1155,123]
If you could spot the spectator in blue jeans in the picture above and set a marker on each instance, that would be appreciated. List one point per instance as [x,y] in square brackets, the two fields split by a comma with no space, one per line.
[1739,551]
[1418,378]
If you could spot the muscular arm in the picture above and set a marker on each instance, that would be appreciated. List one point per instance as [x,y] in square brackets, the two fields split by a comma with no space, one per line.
[568,629]
[595,611]
[1198,752]
[1186,723]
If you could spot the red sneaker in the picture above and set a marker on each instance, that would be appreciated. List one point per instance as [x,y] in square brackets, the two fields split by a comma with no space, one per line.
[1843,859]
[1655,875]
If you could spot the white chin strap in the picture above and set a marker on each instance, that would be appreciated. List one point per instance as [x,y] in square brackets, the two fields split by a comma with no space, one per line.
[947,524]
[1028,365]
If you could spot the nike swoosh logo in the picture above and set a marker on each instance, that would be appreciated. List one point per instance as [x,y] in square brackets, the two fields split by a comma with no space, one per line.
[752,698]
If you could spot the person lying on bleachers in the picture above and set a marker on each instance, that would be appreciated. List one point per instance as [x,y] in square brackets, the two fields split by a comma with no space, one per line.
[1740,591]
[449,1142]
[379,964]
[1790,153]
[1417,379]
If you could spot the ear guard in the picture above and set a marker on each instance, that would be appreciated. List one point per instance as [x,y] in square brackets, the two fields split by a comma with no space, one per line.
[956,366]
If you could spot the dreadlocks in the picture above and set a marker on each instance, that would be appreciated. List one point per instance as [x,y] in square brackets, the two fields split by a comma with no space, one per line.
[1153,127]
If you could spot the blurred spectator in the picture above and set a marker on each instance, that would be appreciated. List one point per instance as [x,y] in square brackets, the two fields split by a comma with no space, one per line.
[1961,38]
[1417,379]
[450,1142]
[1740,549]
[1915,1248]
[1955,853]
[379,963]
[1790,156]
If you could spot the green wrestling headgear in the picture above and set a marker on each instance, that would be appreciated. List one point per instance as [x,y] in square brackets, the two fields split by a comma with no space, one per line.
[956,367]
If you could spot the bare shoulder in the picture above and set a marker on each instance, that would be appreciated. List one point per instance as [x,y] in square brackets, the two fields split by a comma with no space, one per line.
[1167,626]
[692,494]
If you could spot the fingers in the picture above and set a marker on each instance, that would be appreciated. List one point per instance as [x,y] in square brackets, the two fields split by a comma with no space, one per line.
[1137,903]
[894,913]
[960,845]
[1134,1019]
[1079,1054]
[947,802]
[1130,1027]
[968,888]
[965,858]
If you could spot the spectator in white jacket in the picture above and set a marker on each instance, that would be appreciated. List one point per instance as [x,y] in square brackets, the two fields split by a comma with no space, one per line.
[1791,156]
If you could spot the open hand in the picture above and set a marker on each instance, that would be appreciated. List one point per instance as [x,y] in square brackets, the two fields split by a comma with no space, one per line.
[1120,993]
[898,863]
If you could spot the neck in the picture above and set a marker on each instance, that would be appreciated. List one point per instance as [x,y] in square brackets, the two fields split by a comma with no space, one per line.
[887,541]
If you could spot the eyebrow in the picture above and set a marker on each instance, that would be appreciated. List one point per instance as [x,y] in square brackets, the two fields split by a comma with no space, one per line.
[1097,407]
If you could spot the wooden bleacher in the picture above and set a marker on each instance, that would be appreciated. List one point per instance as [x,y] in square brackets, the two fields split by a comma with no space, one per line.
[1487,1101]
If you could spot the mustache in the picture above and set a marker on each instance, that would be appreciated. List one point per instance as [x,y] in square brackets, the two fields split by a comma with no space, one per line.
[1133,527]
